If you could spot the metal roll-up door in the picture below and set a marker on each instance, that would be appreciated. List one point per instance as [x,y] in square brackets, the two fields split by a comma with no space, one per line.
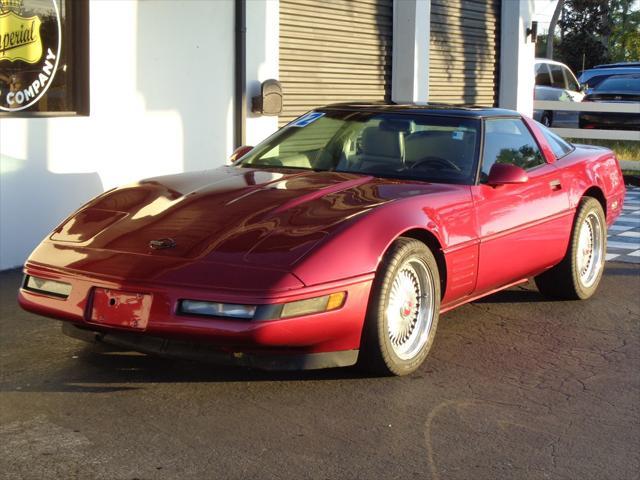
[464,51]
[334,51]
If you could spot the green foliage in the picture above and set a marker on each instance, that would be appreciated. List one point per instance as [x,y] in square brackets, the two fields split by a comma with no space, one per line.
[599,31]
[625,149]
[585,24]
[541,46]
[624,42]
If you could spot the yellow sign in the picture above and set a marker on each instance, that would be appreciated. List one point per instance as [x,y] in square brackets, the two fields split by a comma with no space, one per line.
[20,38]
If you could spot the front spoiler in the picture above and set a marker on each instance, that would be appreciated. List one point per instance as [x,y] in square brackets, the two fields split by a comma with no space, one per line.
[203,352]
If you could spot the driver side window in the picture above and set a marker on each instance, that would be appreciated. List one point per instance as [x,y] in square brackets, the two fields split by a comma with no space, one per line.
[508,140]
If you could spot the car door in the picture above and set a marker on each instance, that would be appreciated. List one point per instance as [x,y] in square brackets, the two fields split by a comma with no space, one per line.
[523,228]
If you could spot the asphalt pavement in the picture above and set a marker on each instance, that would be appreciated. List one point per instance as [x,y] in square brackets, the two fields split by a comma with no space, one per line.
[516,387]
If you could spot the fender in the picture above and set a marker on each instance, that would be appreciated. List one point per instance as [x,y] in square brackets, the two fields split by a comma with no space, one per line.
[448,218]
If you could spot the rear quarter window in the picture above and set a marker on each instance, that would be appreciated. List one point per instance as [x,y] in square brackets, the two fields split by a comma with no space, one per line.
[559,146]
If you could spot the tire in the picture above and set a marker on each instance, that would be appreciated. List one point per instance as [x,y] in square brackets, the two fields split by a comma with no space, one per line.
[395,341]
[547,119]
[578,275]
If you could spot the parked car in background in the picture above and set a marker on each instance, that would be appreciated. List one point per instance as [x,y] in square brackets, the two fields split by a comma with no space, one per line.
[556,82]
[592,77]
[614,89]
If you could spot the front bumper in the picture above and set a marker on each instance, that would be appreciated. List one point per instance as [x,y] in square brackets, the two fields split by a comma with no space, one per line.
[203,352]
[332,331]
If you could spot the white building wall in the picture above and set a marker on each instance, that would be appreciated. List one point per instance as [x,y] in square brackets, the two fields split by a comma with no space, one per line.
[263,62]
[517,56]
[161,90]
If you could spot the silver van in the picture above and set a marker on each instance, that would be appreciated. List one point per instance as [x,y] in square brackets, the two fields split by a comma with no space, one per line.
[556,82]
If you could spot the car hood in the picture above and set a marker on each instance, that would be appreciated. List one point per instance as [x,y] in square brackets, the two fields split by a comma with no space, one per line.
[228,215]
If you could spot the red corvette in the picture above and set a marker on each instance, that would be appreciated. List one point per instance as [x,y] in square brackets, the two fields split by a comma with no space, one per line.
[339,239]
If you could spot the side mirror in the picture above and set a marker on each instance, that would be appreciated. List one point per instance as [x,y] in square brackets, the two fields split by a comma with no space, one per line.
[239,152]
[505,173]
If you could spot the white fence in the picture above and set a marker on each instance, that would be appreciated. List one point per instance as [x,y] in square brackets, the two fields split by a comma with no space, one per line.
[592,107]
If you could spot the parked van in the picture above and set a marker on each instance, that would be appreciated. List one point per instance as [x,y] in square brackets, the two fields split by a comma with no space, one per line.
[556,82]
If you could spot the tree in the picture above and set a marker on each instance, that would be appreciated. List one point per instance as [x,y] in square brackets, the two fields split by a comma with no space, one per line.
[552,28]
[586,27]
[624,41]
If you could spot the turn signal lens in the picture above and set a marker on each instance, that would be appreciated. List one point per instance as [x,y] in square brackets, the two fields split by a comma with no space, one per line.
[313,305]
[336,300]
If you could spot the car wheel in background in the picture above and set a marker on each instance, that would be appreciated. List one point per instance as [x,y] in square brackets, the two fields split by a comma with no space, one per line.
[547,119]
[578,275]
[402,316]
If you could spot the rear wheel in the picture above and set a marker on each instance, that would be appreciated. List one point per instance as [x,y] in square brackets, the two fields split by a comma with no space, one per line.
[578,275]
[403,311]
[547,119]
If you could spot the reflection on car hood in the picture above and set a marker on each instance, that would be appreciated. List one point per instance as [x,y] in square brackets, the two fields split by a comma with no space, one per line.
[231,215]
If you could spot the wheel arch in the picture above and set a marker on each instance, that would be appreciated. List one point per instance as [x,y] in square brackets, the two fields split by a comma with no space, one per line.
[597,193]
[432,242]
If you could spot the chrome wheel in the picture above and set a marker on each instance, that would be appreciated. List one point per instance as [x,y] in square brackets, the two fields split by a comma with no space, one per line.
[411,308]
[590,252]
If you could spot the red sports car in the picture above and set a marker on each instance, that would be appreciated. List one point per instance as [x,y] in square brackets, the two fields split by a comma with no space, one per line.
[338,240]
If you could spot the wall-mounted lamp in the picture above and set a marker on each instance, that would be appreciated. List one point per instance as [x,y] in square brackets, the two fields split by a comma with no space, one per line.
[533,31]
[269,102]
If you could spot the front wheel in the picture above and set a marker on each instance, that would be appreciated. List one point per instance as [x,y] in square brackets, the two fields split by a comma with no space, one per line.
[578,275]
[403,311]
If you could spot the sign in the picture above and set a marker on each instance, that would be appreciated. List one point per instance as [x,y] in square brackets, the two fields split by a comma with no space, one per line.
[305,120]
[30,42]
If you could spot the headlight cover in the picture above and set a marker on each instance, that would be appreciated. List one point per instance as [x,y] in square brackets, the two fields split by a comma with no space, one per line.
[298,308]
[46,286]
[214,309]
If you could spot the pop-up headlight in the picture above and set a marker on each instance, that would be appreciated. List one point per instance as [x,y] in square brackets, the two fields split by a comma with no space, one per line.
[46,286]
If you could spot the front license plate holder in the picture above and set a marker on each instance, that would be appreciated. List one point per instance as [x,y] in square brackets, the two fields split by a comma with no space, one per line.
[120,309]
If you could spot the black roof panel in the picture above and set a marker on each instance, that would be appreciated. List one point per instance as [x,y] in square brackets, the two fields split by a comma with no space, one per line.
[430,108]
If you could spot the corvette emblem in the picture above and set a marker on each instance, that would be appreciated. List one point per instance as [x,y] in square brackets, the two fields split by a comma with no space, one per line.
[162,243]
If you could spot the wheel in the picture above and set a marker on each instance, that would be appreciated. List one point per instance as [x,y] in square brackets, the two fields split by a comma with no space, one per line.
[547,119]
[578,275]
[402,316]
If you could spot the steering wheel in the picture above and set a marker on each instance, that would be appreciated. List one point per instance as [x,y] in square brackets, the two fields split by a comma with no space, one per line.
[436,160]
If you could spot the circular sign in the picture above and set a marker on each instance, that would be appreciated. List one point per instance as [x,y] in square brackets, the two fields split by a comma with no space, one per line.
[30,43]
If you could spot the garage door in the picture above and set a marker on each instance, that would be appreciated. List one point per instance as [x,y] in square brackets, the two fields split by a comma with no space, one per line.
[334,51]
[464,51]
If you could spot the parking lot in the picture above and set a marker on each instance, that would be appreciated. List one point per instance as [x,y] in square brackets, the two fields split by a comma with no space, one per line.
[516,387]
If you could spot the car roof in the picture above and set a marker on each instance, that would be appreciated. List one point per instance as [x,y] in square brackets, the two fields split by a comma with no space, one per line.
[546,60]
[471,111]
[600,71]
[618,65]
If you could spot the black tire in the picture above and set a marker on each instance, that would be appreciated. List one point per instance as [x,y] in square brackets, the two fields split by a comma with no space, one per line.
[377,353]
[547,119]
[564,281]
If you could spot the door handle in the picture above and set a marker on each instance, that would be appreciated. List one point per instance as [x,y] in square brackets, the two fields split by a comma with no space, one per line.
[555,185]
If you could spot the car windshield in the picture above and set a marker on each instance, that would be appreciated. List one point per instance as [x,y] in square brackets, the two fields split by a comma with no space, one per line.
[626,83]
[429,148]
